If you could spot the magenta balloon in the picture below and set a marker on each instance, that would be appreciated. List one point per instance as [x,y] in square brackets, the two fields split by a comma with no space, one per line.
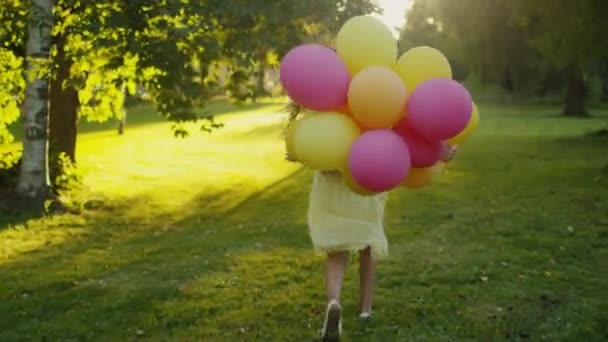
[439,109]
[379,160]
[315,77]
[423,152]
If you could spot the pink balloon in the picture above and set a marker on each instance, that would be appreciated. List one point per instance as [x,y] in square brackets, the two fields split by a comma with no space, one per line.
[315,77]
[423,152]
[379,160]
[439,109]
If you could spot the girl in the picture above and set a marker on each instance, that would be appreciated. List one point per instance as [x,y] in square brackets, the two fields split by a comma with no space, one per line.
[342,222]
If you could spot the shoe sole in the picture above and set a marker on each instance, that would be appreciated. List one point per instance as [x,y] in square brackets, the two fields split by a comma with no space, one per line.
[332,332]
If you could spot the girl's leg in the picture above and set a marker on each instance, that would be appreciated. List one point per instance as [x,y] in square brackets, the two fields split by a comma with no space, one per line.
[334,274]
[367,273]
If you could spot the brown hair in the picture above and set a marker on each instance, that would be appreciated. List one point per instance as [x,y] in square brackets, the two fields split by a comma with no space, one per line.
[293,110]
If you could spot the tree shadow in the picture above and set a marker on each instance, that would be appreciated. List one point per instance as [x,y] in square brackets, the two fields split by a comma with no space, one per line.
[264,130]
[140,116]
[10,216]
[117,275]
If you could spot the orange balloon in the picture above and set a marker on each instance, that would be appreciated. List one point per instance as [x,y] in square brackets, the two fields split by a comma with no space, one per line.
[352,184]
[345,110]
[377,98]
[419,177]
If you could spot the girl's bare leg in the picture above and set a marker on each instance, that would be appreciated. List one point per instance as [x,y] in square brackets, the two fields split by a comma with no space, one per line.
[367,273]
[334,274]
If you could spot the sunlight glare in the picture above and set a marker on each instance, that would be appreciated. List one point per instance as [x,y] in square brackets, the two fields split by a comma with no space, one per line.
[394,13]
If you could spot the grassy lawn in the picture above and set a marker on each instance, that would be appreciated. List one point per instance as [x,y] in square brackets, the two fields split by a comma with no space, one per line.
[205,238]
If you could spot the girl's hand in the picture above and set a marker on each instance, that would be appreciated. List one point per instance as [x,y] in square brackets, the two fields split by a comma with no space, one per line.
[449,151]
[332,173]
[290,158]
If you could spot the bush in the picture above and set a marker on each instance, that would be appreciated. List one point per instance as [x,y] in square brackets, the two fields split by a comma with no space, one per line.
[63,173]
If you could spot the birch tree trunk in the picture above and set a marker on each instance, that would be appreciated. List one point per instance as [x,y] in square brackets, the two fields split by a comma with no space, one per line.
[33,184]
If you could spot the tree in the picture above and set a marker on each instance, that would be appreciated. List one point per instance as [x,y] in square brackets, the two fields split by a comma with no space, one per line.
[97,38]
[523,45]
[571,35]
[477,36]
[63,114]
[94,40]
[33,181]
[101,47]
[12,53]
[277,26]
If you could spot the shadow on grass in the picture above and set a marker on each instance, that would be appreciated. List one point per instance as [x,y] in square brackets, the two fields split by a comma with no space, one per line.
[265,130]
[10,217]
[139,116]
[119,276]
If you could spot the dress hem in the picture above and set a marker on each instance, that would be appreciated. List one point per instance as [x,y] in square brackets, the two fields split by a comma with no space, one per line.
[379,252]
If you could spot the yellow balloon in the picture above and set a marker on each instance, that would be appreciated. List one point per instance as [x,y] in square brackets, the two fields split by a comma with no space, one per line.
[352,184]
[289,145]
[377,98]
[322,140]
[464,135]
[419,177]
[421,64]
[364,41]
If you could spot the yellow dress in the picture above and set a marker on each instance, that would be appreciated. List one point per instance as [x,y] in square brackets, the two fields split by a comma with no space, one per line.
[341,220]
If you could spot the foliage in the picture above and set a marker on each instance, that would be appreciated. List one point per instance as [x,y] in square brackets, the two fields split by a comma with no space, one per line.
[172,48]
[530,47]
[12,87]
[477,34]
[563,31]
[64,175]
[13,17]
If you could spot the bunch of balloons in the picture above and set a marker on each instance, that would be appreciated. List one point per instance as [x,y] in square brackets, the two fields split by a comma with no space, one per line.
[379,119]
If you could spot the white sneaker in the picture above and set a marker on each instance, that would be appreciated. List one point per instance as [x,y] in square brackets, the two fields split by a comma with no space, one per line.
[365,316]
[332,328]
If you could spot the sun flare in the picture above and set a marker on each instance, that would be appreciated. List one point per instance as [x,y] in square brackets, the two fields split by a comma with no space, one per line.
[393,13]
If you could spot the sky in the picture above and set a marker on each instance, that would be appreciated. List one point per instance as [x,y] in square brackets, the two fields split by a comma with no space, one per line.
[394,12]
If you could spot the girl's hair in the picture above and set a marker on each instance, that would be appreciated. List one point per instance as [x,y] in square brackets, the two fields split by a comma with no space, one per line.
[293,110]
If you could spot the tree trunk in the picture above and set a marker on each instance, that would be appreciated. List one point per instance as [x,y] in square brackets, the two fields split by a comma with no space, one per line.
[604,89]
[122,120]
[33,184]
[575,94]
[63,108]
[507,81]
[260,76]
[122,123]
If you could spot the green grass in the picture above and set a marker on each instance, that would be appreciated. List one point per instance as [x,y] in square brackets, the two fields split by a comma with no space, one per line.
[205,239]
